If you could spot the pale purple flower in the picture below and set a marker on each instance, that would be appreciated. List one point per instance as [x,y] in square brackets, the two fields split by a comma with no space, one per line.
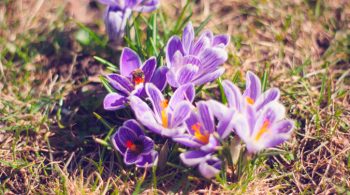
[195,60]
[167,117]
[208,164]
[207,125]
[132,79]
[118,13]
[132,143]
[264,128]
[252,95]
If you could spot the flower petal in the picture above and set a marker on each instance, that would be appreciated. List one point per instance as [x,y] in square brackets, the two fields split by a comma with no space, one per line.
[187,37]
[211,145]
[185,92]
[148,144]
[139,107]
[174,44]
[148,120]
[129,61]
[186,73]
[117,144]
[156,98]
[206,116]
[144,113]
[233,95]
[209,77]
[131,157]
[253,86]
[120,83]
[177,62]
[225,125]
[171,78]
[221,41]
[148,160]
[283,126]
[268,96]
[159,78]
[211,58]
[241,127]
[224,116]
[135,126]
[199,46]
[149,67]
[209,34]
[281,132]
[126,134]
[276,135]
[115,21]
[147,6]
[181,113]
[114,101]
[274,111]
[192,120]
[192,158]
[108,2]
[210,168]
[187,140]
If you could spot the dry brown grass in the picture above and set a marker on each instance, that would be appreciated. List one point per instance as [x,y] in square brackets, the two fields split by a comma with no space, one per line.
[306,52]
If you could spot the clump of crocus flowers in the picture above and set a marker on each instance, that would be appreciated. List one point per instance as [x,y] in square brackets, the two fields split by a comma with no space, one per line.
[202,126]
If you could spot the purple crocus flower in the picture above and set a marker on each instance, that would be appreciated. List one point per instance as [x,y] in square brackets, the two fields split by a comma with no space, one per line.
[208,164]
[132,143]
[196,61]
[132,78]
[252,96]
[119,11]
[263,129]
[202,130]
[167,117]
[205,135]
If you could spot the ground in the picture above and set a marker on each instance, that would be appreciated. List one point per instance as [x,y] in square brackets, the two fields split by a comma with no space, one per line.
[54,132]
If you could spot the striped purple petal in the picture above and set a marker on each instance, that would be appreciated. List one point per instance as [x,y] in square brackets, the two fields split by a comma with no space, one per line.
[210,168]
[114,101]
[193,158]
[129,61]
[149,67]
[187,37]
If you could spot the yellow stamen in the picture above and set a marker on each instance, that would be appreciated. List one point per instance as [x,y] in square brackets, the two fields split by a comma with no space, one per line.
[198,135]
[250,101]
[263,130]
[164,105]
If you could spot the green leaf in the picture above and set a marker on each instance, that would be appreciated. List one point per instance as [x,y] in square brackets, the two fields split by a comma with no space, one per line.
[223,96]
[109,65]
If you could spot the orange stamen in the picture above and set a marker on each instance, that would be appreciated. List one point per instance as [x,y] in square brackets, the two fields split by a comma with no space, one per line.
[263,130]
[138,76]
[130,145]
[138,80]
[198,135]
[250,101]
[164,105]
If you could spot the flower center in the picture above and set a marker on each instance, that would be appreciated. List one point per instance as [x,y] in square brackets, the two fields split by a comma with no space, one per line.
[134,146]
[138,76]
[204,138]
[262,130]
[250,101]
[164,105]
